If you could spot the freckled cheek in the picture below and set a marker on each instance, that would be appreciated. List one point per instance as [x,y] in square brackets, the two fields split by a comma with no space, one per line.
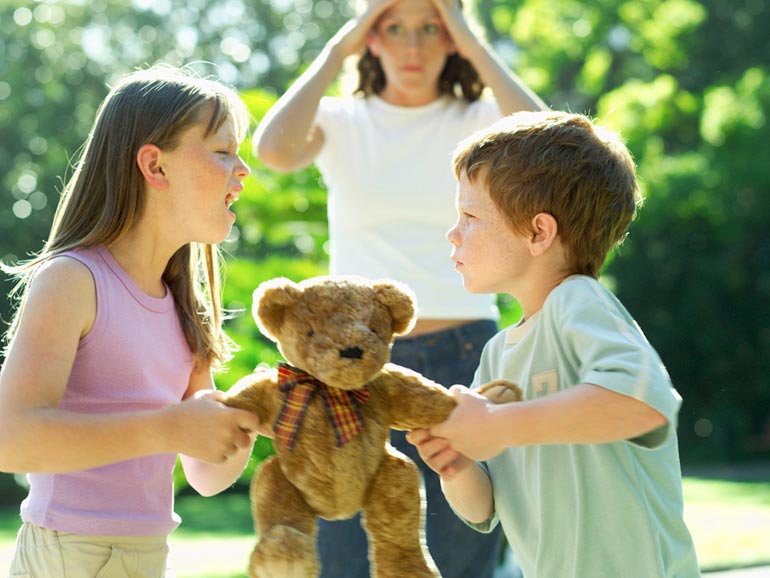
[217,169]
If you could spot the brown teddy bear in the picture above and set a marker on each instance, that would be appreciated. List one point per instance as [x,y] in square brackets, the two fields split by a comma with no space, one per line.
[330,411]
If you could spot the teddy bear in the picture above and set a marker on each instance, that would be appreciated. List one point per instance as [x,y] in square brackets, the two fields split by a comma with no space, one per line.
[330,407]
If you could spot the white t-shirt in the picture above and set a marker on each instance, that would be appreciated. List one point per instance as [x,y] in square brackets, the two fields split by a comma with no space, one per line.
[589,510]
[391,195]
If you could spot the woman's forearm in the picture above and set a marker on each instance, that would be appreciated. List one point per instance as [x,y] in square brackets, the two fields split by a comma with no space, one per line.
[511,93]
[285,139]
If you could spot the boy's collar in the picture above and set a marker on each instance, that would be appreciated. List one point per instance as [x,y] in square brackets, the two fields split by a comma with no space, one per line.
[517,332]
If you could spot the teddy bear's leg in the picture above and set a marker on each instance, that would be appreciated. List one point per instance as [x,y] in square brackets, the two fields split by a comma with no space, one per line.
[393,518]
[286,526]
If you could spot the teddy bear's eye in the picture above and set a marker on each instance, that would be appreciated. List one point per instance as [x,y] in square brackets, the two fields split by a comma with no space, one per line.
[310,332]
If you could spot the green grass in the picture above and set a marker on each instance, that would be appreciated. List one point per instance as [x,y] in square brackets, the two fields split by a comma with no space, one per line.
[222,525]
[729,520]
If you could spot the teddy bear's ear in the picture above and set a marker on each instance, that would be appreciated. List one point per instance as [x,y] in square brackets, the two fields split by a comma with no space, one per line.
[400,301]
[270,303]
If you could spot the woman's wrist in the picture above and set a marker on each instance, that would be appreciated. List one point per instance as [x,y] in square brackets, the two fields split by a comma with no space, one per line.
[476,50]
[335,53]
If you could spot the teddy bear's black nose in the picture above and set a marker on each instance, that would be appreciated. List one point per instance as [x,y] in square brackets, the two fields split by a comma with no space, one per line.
[352,353]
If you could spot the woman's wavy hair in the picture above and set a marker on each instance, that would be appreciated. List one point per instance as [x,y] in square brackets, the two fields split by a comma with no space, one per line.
[458,79]
[105,196]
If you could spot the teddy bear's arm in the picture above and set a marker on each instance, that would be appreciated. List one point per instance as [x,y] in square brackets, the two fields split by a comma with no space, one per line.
[414,400]
[257,393]
[501,391]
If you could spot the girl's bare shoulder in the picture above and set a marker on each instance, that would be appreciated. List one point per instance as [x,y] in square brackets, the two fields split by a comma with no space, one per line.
[63,287]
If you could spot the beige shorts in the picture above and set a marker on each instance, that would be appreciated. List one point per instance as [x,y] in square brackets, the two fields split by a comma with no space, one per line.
[43,553]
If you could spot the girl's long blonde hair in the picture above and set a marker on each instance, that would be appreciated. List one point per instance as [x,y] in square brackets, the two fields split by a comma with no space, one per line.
[105,196]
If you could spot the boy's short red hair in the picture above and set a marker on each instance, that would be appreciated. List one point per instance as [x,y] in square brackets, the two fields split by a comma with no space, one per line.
[562,164]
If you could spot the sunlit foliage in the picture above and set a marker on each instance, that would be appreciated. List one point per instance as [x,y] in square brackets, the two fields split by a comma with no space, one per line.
[685,81]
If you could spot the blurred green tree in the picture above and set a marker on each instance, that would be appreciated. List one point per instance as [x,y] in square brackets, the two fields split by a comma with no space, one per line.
[685,81]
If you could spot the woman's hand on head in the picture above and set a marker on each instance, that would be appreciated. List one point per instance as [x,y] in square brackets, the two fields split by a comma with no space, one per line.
[351,38]
[460,33]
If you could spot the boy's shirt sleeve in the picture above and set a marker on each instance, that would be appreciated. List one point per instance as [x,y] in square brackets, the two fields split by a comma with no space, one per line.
[609,350]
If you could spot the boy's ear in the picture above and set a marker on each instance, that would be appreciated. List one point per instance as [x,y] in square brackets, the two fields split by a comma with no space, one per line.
[148,161]
[545,230]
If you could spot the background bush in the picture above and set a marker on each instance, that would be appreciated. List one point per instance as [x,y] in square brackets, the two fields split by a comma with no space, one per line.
[685,81]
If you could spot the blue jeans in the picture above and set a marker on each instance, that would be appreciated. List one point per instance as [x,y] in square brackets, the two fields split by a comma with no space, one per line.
[447,357]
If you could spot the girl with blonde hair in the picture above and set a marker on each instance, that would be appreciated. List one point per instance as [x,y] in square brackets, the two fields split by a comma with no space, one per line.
[108,364]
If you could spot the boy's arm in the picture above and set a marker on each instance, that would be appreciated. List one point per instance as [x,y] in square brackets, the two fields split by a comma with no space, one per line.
[583,414]
[465,484]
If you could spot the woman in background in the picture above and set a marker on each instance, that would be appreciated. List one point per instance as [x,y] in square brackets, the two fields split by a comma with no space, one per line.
[384,154]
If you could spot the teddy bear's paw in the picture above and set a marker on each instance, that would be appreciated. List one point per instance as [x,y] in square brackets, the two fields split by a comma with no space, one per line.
[500,391]
[284,552]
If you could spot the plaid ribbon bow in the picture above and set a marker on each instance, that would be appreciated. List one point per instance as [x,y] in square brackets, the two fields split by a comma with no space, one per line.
[342,407]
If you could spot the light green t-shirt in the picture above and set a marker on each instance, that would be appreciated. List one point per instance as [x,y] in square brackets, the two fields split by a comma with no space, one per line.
[609,510]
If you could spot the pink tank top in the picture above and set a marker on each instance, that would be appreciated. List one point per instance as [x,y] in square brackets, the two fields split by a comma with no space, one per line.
[134,358]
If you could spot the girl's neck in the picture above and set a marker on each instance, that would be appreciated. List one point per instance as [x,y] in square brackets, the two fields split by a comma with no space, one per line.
[143,262]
